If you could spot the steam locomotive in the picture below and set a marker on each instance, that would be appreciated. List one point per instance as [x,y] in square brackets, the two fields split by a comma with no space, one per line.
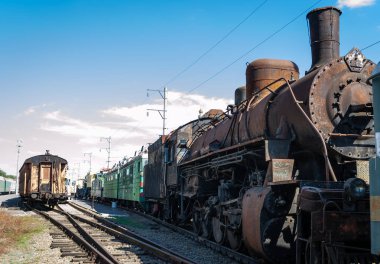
[284,172]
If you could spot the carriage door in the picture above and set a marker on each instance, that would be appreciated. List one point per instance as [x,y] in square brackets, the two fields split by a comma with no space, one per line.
[45,177]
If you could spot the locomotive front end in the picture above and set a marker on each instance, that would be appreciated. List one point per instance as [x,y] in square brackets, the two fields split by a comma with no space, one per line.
[319,210]
[340,103]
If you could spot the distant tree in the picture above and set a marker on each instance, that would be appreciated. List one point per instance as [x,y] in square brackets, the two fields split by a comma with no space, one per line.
[5,175]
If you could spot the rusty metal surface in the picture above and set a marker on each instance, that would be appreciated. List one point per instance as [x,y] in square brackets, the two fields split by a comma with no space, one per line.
[278,116]
[324,35]
[267,232]
[310,198]
[341,102]
[340,226]
[253,203]
[262,72]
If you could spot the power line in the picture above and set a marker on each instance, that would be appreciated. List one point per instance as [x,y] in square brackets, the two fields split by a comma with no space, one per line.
[246,53]
[216,44]
[255,47]
[373,44]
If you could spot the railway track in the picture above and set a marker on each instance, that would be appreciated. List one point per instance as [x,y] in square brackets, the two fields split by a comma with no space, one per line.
[89,240]
[220,249]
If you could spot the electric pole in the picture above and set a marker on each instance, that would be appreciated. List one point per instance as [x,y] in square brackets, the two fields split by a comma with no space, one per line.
[108,149]
[19,146]
[162,112]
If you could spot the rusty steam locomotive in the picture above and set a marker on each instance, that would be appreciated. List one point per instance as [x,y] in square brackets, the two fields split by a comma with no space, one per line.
[284,172]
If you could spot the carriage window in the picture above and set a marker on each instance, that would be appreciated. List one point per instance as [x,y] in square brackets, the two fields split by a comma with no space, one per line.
[169,153]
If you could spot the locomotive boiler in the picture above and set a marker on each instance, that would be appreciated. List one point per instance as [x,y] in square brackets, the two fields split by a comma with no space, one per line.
[285,172]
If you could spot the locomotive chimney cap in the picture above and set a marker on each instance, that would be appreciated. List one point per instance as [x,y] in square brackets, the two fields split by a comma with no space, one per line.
[320,9]
[47,152]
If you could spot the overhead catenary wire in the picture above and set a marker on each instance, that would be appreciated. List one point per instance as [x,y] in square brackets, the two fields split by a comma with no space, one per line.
[243,55]
[255,47]
[371,45]
[216,44]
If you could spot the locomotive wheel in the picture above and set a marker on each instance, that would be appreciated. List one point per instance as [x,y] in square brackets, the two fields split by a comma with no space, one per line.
[234,238]
[206,227]
[218,230]
[197,217]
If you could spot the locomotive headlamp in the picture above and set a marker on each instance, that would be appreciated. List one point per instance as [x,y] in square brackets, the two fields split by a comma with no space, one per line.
[354,189]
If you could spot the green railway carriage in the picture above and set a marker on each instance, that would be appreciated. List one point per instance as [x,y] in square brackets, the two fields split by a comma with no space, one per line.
[110,184]
[125,182]
[6,185]
[97,186]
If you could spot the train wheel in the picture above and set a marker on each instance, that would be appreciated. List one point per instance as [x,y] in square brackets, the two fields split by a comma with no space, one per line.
[234,237]
[218,230]
[197,217]
[206,227]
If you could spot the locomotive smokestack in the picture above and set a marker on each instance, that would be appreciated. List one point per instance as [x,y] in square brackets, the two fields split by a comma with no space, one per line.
[324,35]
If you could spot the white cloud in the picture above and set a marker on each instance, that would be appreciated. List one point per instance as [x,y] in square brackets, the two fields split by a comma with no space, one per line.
[89,133]
[355,3]
[181,108]
[128,126]
[32,109]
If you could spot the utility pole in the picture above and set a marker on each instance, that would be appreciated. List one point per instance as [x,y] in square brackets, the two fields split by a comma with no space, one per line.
[89,154]
[162,112]
[108,149]
[19,146]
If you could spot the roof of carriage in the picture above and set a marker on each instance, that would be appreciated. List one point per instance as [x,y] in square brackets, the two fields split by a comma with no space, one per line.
[47,157]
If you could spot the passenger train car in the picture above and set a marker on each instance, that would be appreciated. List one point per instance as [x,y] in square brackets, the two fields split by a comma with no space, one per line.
[124,182]
[7,185]
[42,178]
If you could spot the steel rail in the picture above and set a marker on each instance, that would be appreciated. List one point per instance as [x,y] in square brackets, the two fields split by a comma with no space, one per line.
[77,239]
[210,244]
[87,236]
[131,237]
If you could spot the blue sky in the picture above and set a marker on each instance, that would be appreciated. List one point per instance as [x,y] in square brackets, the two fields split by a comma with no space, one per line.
[71,71]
